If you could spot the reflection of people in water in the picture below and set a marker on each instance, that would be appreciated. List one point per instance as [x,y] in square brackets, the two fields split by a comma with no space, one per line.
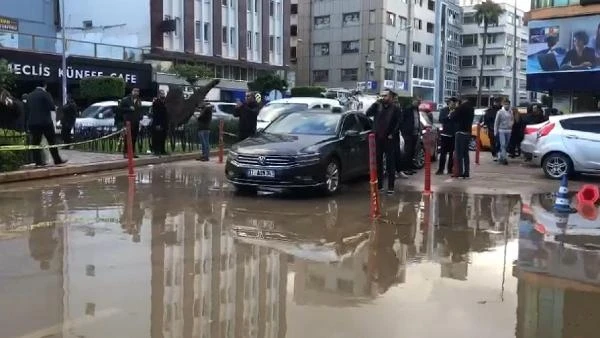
[580,56]
[386,262]
[42,242]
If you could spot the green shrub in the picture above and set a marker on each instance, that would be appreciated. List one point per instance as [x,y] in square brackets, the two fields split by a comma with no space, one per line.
[12,160]
[307,91]
[101,88]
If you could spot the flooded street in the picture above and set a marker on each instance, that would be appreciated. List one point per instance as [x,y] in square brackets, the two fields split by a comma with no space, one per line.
[180,255]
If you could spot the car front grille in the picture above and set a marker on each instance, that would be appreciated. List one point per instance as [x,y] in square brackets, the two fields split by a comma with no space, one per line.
[270,161]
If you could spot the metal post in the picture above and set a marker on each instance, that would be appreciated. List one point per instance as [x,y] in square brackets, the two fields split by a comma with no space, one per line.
[64,52]
[515,98]
[409,67]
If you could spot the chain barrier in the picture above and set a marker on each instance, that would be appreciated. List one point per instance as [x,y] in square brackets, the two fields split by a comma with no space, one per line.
[63,145]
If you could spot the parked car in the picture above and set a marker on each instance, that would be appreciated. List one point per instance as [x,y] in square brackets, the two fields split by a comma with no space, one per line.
[308,149]
[569,145]
[102,115]
[273,109]
[530,139]
[483,134]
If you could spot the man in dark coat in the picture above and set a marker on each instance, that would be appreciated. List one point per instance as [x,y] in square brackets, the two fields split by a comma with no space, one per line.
[204,121]
[160,123]
[130,109]
[410,129]
[39,107]
[67,120]
[463,115]
[386,113]
[447,137]
[247,113]
[488,122]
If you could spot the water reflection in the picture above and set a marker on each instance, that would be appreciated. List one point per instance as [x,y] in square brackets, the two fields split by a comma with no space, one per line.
[180,256]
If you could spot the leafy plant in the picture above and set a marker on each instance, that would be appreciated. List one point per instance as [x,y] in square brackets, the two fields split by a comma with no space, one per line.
[7,78]
[12,160]
[101,87]
[487,13]
[267,82]
[192,73]
[307,91]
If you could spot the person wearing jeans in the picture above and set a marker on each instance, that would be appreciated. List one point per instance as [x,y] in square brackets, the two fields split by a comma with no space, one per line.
[502,129]
[463,115]
[204,121]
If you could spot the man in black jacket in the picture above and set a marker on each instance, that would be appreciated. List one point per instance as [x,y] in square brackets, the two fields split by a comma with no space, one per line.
[410,129]
[488,121]
[386,114]
[160,123]
[248,113]
[130,108]
[447,136]
[204,121]
[463,115]
[67,120]
[39,107]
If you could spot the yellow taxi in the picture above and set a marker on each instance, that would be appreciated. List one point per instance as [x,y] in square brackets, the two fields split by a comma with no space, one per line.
[484,136]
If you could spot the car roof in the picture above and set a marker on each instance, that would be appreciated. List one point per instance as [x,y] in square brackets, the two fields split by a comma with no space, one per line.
[116,103]
[574,115]
[307,100]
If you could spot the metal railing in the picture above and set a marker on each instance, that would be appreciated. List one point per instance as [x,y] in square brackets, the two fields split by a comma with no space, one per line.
[53,45]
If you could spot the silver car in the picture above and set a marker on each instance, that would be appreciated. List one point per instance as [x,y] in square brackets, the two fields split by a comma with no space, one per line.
[530,139]
[569,145]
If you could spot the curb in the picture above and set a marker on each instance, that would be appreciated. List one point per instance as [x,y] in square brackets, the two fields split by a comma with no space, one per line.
[76,169]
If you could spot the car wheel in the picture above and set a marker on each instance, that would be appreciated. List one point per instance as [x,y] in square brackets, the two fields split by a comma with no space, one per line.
[419,160]
[556,165]
[245,190]
[333,175]
[473,144]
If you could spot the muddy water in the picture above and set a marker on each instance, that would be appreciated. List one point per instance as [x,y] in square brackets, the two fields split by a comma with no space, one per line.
[181,256]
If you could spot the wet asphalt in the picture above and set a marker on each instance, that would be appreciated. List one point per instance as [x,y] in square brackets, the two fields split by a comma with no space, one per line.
[178,254]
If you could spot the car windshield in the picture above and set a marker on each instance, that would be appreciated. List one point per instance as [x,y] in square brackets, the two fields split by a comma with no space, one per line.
[91,111]
[273,110]
[305,124]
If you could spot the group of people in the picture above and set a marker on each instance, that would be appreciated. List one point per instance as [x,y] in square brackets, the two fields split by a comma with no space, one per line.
[392,122]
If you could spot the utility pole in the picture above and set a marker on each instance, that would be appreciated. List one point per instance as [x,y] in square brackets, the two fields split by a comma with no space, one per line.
[515,98]
[64,52]
[409,51]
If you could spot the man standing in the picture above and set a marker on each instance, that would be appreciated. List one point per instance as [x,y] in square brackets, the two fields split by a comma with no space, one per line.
[447,136]
[160,122]
[410,128]
[248,113]
[67,120]
[488,122]
[463,115]
[39,107]
[386,114]
[131,108]
[204,121]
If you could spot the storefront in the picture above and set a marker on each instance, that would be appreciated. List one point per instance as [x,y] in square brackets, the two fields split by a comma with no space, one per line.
[563,61]
[32,68]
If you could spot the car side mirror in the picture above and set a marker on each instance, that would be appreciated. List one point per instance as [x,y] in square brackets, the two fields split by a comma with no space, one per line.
[351,133]
[100,116]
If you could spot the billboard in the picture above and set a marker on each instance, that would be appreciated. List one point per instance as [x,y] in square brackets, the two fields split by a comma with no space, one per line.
[564,45]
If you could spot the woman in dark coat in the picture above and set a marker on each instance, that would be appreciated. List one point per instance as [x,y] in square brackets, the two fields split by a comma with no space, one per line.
[517,135]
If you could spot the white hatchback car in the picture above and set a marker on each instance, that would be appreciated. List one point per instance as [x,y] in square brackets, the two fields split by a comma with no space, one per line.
[102,115]
[530,139]
[569,145]
[275,108]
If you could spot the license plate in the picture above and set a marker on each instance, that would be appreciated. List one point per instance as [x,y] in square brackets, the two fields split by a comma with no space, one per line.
[261,173]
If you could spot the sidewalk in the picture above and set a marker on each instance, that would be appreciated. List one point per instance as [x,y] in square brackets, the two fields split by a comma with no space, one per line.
[86,162]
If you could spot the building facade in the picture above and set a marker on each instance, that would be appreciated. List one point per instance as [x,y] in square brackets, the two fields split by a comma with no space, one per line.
[562,28]
[374,44]
[498,62]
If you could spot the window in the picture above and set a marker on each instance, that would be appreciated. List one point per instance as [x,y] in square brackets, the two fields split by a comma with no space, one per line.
[249,40]
[416,47]
[294,9]
[249,5]
[390,47]
[507,82]
[257,41]
[293,53]
[401,49]
[418,24]
[232,36]
[271,8]
[419,2]
[351,46]
[206,31]
[402,21]
[401,76]
[320,75]
[371,45]
[294,30]
[351,19]
[278,45]
[488,81]
[469,19]
[469,40]
[224,3]
[388,74]
[491,38]
[271,42]
[350,122]
[322,21]
[391,19]
[490,60]
[429,49]
[468,82]
[224,32]
[349,74]
[365,122]
[372,16]
[256,4]
[430,27]
[589,124]
[431,5]
[424,73]
[321,49]
[468,61]
[198,30]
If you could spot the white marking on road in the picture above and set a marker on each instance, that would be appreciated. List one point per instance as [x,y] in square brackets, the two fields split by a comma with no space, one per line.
[69,324]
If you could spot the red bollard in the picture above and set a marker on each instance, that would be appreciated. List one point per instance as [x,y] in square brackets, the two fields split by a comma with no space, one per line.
[587,210]
[427,145]
[129,149]
[221,143]
[589,193]
[374,192]
[478,144]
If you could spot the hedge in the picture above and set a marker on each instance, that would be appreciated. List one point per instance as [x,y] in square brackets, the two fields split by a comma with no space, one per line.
[307,91]
[101,88]
[12,160]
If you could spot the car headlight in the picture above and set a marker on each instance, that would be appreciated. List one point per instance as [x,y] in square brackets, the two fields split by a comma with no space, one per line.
[308,159]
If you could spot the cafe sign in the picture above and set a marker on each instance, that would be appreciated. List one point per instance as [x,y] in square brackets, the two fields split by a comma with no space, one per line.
[9,24]
[41,70]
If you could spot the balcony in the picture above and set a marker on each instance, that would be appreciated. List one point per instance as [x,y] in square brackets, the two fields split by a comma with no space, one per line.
[53,45]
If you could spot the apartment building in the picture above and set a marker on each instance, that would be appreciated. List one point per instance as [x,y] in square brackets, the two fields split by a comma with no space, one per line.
[374,44]
[498,61]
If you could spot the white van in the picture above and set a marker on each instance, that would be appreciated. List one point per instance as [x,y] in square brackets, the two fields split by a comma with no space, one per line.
[275,108]
[102,115]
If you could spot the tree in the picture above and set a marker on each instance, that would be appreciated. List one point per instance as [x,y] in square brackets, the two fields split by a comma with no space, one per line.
[486,13]
[192,73]
[265,83]
[7,78]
